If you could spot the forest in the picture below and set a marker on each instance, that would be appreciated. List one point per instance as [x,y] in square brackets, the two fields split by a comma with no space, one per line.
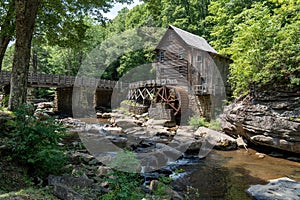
[260,37]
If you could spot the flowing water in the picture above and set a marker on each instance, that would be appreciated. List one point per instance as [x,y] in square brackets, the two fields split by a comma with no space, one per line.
[227,175]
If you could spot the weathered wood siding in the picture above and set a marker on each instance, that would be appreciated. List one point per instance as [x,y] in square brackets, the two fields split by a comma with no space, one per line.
[175,64]
[210,71]
[194,66]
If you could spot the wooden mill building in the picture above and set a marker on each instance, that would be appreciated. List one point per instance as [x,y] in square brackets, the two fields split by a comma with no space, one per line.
[189,58]
[197,72]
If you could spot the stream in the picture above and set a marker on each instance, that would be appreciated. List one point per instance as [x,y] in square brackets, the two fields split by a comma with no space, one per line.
[228,174]
[225,175]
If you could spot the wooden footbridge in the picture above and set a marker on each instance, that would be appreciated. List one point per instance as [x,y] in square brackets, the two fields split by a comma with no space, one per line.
[53,80]
[65,86]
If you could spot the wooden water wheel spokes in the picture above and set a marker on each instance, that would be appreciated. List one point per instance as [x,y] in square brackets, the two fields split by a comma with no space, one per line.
[175,97]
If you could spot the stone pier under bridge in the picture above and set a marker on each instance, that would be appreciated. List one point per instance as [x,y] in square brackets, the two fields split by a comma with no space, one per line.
[81,102]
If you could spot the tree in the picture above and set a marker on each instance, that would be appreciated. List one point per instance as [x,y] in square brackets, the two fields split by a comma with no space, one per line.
[221,21]
[26,15]
[7,26]
[265,48]
[26,11]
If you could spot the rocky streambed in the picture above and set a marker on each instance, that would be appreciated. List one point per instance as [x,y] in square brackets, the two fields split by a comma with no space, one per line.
[268,118]
[192,157]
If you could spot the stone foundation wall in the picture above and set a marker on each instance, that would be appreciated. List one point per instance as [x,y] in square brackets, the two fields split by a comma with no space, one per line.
[63,100]
[159,111]
[136,109]
[205,106]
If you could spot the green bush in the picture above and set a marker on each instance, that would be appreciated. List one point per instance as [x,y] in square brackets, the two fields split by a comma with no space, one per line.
[198,121]
[124,186]
[215,125]
[34,142]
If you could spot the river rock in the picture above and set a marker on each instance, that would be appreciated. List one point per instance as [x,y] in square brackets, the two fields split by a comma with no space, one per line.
[78,157]
[103,170]
[282,188]
[113,130]
[70,181]
[266,118]
[66,193]
[128,123]
[171,153]
[164,123]
[44,105]
[217,139]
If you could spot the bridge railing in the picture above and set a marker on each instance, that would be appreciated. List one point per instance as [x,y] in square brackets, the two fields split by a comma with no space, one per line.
[55,80]
[152,83]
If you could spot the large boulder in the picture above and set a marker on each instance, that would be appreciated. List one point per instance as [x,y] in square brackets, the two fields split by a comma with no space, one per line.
[282,188]
[128,123]
[266,118]
[217,139]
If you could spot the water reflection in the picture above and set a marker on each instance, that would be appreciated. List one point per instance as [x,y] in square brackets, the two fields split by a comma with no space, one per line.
[226,175]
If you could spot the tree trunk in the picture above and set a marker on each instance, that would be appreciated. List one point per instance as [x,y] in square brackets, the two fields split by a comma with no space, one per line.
[4,41]
[7,30]
[26,11]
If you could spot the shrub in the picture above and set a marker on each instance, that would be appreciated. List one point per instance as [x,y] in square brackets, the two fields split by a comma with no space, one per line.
[34,142]
[215,125]
[198,121]
[124,185]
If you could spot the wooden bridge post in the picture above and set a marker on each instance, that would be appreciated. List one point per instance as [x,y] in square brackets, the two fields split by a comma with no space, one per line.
[63,100]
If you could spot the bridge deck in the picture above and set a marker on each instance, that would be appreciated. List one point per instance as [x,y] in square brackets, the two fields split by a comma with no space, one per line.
[53,80]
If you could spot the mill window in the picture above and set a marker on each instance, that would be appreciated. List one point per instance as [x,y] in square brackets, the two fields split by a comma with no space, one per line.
[161,56]
[180,53]
[199,63]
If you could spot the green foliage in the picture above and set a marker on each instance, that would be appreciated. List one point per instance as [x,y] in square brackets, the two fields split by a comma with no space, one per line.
[221,21]
[34,142]
[215,125]
[124,186]
[265,48]
[47,93]
[8,57]
[198,121]
[191,193]
[30,193]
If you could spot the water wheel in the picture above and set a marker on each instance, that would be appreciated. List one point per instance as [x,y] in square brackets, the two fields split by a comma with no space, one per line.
[175,97]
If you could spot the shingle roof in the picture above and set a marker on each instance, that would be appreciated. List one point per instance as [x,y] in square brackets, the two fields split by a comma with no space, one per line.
[193,40]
